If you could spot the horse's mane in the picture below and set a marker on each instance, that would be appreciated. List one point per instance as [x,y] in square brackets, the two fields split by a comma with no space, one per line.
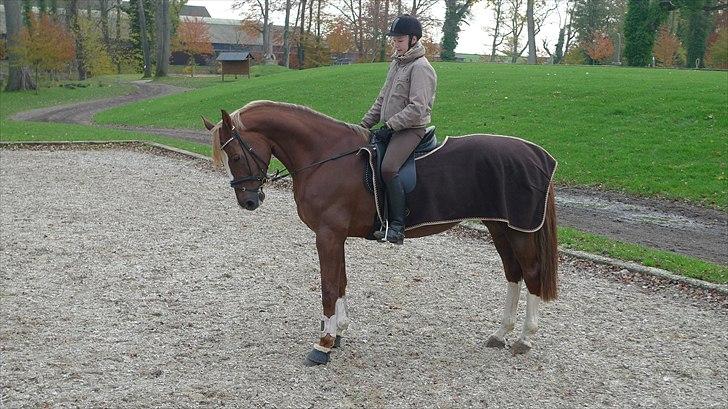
[238,123]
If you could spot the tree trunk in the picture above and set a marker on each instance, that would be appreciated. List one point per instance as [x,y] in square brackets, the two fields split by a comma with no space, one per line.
[531,32]
[80,51]
[104,5]
[143,38]
[496,30]
[301,42]
[117,43]
[18,76]
[287,35]
[164,25]
[383,38]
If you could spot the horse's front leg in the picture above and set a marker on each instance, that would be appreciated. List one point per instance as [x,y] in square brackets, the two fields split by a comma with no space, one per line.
[342,307]
[330,246]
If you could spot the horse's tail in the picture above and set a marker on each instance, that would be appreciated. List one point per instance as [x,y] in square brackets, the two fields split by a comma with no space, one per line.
[548,250]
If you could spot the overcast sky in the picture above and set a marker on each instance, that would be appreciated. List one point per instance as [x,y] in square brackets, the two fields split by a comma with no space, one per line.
[473,37]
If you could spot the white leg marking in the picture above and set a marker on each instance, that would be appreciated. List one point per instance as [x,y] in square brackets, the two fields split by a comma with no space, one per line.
[342,316]
[530,325]
[329,325]
[509,315]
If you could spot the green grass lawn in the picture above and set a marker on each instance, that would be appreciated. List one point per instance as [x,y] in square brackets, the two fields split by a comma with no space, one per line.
[644,131]
[102,87]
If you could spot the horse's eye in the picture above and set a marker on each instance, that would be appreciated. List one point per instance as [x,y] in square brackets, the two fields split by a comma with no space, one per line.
[235,158]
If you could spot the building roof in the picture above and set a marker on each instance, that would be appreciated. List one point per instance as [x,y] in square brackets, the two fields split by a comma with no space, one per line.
[234,56]
[194,11]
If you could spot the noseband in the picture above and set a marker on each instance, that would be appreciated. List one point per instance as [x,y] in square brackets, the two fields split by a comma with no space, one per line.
[248,152]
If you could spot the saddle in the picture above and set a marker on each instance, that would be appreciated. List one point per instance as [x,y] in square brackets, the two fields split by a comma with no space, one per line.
[408,172]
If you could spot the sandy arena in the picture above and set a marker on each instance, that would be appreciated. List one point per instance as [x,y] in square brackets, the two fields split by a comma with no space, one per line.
[132,279]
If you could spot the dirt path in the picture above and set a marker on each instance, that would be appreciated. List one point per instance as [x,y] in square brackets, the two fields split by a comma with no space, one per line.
[662,224]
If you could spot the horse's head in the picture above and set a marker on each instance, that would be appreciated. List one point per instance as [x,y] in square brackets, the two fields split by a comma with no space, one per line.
[245,156]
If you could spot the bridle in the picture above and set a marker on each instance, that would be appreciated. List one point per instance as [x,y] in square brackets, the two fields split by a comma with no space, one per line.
[248,152]
[262,166]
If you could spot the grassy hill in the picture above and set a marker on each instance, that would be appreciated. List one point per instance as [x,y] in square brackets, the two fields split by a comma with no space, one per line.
[645,131]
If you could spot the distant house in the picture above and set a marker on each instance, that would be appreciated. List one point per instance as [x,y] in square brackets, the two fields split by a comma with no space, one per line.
[235,63]
[194,11]
[227,35]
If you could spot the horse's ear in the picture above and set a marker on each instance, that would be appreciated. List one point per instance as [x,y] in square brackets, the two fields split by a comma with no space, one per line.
[209,125]
[226,119]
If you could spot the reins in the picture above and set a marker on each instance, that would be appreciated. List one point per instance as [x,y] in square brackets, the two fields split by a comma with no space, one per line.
[292,173]
[263,176]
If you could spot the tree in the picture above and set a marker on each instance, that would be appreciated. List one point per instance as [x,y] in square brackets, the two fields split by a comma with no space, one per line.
[516,21]
[717,56]
[72,15]
[531,32]
[566,34]
[590,16]
[139,36]
[498,10]
[600,49]
[260,9]
[192,38]
[698,22]
[96,56]
[44,44]
[352,11]
[455,12]
[667,48]
[144,41]
[637,33]
[18,76]
[163,29]
[339,37]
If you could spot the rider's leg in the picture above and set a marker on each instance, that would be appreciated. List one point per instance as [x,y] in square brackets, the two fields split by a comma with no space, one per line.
[400,148]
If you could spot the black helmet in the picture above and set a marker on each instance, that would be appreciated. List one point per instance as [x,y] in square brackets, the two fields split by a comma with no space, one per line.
[406,25]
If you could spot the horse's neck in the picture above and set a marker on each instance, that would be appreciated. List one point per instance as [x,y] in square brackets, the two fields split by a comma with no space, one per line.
[300,138]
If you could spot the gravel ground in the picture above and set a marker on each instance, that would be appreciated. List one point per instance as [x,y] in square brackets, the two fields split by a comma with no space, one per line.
[133,280]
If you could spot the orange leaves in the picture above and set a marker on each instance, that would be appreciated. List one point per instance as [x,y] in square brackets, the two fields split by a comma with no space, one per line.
[193,37]
[340,38]
[599,48]
[45,44]
[666,48]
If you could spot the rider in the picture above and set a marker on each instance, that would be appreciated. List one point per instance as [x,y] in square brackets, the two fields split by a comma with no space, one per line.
[404,105]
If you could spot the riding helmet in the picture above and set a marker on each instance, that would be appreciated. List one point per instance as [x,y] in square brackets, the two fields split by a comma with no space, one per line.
[406,25]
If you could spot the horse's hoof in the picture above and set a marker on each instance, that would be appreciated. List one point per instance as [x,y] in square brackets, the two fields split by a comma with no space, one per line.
[519,347]
[316,357]
[495,342]
[337,341]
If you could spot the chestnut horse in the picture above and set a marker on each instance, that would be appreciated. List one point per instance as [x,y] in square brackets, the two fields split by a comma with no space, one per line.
[334,203]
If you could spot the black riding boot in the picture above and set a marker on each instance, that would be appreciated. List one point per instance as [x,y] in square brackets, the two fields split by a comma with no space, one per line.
[396,208]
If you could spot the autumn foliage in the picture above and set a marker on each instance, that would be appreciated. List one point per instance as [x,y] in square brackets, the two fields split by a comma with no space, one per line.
[600,48]
[667,48]
[192,38]
[340,38]
[45,45]
[717,56]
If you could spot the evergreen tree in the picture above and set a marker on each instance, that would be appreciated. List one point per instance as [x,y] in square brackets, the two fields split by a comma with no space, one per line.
[455,13]
[643,19]
[697,33]
[132,10]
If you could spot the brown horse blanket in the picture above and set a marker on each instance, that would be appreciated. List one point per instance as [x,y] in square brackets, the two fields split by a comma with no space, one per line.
[484,177]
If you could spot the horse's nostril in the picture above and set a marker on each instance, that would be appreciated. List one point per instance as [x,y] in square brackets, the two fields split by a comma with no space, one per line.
[250,204]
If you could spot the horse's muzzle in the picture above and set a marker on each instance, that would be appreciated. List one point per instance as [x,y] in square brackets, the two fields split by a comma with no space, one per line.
[252,203]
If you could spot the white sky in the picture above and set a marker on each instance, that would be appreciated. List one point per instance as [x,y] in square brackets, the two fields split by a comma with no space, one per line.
[473,38]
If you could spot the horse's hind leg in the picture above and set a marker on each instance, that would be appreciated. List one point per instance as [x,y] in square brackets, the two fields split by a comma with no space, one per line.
[513,275]
[526,250]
